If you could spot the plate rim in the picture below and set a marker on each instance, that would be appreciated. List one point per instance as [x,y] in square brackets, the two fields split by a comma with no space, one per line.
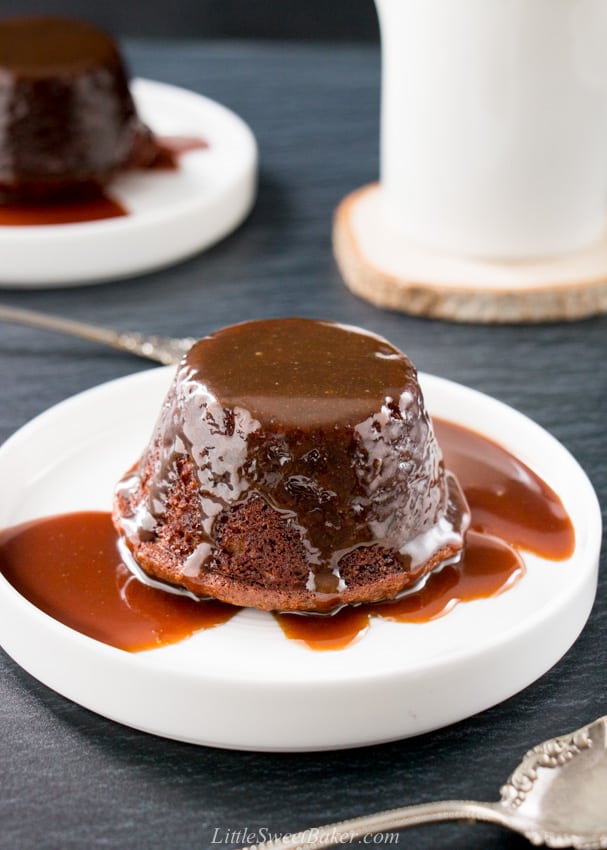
[587,548]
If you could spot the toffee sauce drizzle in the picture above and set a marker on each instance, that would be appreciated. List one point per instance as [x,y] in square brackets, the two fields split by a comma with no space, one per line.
[94,206]
[69,565]
[311,418]
[511,508]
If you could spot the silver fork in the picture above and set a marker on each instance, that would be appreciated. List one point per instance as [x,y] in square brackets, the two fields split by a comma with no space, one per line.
[166,350]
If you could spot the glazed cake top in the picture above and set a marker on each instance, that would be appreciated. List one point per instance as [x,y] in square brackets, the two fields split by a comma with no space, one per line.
[39,47]
[299,372]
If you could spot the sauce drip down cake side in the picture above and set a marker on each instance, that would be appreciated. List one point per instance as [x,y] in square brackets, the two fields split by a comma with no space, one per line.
[293,467]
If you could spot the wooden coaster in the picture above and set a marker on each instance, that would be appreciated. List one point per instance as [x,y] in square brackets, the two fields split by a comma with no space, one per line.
[378,264]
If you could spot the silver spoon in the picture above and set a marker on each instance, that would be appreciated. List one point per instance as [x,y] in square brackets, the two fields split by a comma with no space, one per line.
[556,796]
[167,350]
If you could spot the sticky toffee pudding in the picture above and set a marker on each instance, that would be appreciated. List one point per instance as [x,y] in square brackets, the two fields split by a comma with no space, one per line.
[294,467]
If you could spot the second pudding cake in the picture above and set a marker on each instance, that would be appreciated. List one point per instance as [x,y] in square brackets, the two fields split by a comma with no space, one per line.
[293,467]
[68,122]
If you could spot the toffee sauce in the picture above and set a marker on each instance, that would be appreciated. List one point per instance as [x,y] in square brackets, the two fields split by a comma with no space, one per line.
[511,508]
[94,206]
[69,565]
[171,148]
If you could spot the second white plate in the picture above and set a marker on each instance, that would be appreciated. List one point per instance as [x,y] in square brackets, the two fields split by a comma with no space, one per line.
[172,214]
[243,684]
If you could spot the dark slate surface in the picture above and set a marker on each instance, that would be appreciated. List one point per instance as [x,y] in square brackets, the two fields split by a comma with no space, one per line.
[71,779]
[316,20]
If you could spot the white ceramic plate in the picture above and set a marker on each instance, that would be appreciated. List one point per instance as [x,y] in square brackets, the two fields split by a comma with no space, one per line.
[173,214]
[243,684]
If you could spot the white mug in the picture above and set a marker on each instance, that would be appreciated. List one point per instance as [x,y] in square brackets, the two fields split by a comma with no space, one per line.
[494,124]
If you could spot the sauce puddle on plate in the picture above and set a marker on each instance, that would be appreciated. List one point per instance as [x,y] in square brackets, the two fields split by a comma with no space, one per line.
[69,566]
[97,206]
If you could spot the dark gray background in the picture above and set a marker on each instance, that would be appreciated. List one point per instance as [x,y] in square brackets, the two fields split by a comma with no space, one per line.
[290,19]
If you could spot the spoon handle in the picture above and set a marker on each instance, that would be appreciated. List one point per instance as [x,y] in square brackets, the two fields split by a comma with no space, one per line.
[349,830]
[165,350]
